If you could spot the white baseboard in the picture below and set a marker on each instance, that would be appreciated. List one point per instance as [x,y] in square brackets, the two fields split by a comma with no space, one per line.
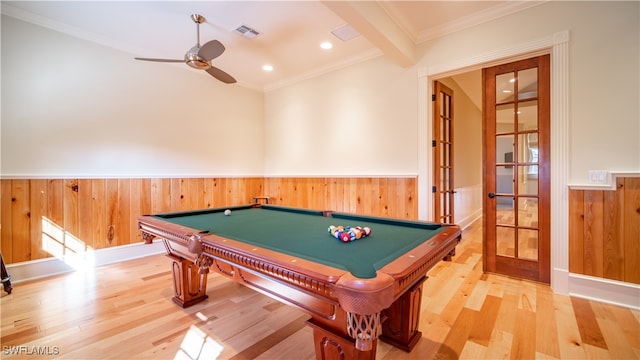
[470,219]
[36,269]
[605,290]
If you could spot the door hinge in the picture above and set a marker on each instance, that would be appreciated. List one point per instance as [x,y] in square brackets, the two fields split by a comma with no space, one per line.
[433,189]
[433,97]
[433,143]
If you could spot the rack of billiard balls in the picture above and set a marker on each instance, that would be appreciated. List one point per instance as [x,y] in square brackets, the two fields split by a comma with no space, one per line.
[349,233]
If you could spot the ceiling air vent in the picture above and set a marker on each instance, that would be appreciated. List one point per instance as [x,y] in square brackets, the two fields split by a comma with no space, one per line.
[246,31]
[345,33]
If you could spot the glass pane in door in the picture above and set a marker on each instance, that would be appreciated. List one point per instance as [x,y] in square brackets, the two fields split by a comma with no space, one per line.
[506,213]
[527,244]
[504,149]
[528,84]
[505,241]
[505,87]
[527,115]
[528,212]
[505,118]
[528,179]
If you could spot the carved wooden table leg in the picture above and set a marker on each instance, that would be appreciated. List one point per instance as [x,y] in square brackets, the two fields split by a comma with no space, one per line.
[403,317]
[189,282]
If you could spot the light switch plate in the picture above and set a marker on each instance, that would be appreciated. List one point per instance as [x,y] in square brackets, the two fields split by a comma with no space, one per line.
[598,176]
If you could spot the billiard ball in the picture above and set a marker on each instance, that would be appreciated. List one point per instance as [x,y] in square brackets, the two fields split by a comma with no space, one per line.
[227,212]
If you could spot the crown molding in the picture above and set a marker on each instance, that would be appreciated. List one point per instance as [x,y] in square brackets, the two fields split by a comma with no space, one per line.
[45,22]
[492,13]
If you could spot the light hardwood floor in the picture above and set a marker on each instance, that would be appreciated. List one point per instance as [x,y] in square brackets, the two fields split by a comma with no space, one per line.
[124,311]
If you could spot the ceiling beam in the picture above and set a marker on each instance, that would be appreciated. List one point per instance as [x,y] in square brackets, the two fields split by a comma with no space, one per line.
[372,22]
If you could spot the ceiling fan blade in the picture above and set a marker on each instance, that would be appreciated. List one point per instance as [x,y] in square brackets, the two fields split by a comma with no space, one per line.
[221,75]
[211,50]
[160,60]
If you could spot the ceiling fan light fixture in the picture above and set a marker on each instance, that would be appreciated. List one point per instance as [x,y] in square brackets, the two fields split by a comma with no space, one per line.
[196,62]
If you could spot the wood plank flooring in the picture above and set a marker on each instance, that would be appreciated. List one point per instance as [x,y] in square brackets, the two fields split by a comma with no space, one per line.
[124,311]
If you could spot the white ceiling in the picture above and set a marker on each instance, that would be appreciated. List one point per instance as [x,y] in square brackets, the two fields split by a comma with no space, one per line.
[290,31]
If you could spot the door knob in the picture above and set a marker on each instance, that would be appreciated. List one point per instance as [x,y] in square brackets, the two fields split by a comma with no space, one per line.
[491,195]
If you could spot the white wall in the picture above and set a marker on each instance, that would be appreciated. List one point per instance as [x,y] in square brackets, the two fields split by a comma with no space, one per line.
[74,108]
[356,121]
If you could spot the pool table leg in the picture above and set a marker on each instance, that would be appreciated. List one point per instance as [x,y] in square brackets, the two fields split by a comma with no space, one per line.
[331,345]
[189,283]
[402,319]
[450,255]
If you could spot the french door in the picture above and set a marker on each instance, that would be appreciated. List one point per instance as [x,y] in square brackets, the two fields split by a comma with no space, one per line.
[442,143]
[516,206]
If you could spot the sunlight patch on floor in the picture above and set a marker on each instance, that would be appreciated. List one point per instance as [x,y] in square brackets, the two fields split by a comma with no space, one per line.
[197,345]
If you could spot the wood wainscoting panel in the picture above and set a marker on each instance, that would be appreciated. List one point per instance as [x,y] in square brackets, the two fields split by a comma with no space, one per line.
[387,197]
[613,239]
[6,246]
[41,218]
[632,230]
[38,206]
[593,233]
[604,231]
[20,218]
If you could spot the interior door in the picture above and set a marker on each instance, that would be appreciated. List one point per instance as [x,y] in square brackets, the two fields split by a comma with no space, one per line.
[516,169]
[442,143]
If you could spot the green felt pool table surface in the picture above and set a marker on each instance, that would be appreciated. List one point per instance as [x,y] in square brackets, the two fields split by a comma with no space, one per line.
[304,234]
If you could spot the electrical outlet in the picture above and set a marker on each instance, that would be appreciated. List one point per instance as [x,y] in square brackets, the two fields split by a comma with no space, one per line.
[598,176]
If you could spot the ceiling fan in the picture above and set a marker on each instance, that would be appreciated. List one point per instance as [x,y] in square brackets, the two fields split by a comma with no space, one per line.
[199,57]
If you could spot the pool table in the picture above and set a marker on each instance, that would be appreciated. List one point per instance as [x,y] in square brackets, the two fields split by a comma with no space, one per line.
[355,292]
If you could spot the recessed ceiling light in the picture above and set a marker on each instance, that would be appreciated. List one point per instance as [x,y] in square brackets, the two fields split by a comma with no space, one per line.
[326,45]
[267,67]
